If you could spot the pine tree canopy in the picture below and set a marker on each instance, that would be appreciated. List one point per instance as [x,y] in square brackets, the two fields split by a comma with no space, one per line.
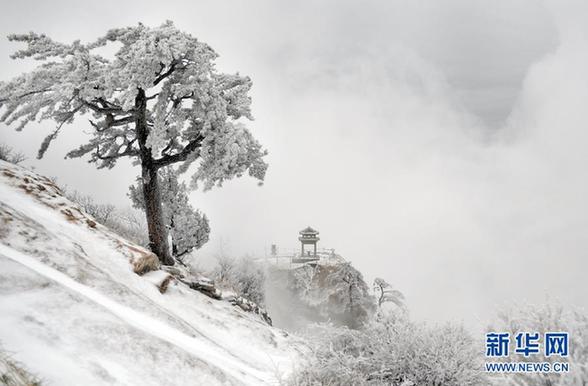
[160,78]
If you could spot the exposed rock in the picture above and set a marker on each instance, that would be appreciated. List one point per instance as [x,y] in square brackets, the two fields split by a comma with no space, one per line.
[249,306]
[160,279]
[204,285]
[176,270]
[144,261]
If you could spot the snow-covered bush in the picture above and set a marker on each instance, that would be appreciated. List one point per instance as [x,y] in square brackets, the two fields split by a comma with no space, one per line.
[224,270]
[250,281]
[13,374]
[544,318]
[9,155]
[244,276]
[392,351]
[129,224]
[101,212]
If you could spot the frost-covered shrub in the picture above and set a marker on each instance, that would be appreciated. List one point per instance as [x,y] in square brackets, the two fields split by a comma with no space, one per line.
[245,277]
[250,281]
[129,224]
[13,374]
[101,212]
[392,351]
[223,271]
[9,155]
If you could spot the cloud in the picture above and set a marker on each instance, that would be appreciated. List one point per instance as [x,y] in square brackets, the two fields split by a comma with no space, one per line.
[378,149]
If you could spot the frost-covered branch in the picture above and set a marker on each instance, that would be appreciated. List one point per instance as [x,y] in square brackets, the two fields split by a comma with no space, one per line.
[180,156]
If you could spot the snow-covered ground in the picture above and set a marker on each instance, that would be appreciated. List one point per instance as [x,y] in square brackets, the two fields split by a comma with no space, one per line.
[73,312]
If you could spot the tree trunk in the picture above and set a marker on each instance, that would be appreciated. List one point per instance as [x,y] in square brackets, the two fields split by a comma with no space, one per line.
[174,246]
[158,234]
[158,240]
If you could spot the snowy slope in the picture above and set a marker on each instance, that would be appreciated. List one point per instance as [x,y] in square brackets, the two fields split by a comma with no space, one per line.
[73,311]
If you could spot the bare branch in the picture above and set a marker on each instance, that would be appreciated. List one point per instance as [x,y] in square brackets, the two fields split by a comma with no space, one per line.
[169,145]
[96,126]
[121,121]
[178,101]
[103,110]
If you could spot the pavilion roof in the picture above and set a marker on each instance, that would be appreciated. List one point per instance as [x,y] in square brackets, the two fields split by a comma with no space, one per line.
[308,230]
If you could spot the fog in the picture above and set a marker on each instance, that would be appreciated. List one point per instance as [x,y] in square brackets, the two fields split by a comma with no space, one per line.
[440,145]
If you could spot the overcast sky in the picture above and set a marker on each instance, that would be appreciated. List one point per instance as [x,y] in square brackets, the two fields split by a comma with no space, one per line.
[438,144]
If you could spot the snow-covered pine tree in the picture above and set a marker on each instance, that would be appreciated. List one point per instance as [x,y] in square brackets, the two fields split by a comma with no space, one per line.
[159,100]
[386,293]
[188,227]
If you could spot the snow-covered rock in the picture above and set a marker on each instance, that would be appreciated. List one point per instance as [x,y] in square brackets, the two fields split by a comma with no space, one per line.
[75,309]
[160,279]
[326,290]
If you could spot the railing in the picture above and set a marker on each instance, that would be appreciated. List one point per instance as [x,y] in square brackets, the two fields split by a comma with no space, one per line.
[291,252]
[292,256]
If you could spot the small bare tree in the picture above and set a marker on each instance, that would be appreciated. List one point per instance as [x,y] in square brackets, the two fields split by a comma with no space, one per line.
[9,155]
[101,212]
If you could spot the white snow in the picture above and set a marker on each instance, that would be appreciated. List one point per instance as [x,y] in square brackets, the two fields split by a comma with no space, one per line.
[73,311]
[202,349]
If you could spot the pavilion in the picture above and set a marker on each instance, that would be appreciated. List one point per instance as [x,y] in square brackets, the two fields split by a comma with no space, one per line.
[308,236]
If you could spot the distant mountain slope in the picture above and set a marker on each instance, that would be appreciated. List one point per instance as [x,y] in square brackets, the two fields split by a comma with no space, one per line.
[73,312]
